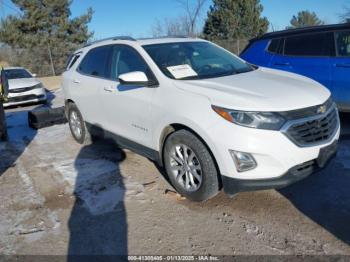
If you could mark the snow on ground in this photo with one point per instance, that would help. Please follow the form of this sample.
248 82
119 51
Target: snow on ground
92 177
51 186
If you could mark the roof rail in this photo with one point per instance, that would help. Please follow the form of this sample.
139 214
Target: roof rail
167 36
111 38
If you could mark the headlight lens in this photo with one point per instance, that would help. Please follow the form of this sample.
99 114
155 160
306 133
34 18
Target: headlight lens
40 85
259 120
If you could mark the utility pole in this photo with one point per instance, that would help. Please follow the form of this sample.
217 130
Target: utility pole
51 61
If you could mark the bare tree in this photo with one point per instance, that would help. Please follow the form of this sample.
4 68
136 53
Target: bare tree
170 27
193 9
185 24
345 17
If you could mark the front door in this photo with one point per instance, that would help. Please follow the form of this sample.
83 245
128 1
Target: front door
128 109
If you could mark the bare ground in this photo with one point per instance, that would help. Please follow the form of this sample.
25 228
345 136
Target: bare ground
58 197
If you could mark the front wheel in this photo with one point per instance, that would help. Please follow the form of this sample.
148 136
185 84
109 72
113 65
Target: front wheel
190 166
77 125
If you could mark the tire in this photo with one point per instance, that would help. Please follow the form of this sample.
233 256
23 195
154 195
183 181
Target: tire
197 180
75 120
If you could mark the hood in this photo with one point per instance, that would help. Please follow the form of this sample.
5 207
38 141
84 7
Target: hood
22 82
260 90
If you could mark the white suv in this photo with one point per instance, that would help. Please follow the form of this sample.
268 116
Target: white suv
208 117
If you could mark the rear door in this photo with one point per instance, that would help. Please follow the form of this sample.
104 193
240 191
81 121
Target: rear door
307 55
341 70
87 81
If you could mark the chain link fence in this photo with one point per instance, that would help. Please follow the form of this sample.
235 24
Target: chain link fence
37 60
236 46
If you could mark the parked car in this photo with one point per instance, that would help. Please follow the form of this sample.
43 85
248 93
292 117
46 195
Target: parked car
23 87
208 117
321 53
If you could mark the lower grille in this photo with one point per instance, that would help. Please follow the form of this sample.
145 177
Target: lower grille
314 130
23 98
305 168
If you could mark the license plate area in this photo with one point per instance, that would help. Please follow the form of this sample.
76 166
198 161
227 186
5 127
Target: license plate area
326 153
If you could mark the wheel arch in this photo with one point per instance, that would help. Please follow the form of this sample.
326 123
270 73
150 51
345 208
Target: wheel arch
171 128
66 103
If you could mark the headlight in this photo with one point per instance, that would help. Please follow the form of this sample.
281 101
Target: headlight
259 120
40 85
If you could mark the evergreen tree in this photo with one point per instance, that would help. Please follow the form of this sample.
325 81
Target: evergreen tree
305 18
235 19
44 33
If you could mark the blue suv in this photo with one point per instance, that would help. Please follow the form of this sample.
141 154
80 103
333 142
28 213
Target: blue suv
321 53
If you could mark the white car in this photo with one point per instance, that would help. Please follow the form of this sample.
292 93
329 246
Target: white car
24 88
208 117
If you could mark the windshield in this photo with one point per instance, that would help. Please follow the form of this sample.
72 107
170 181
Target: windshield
17 73
195 60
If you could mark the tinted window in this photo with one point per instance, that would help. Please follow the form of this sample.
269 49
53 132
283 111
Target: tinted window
95 63
17 73
274 45
125 60
321 44
202 60
343 43
71 61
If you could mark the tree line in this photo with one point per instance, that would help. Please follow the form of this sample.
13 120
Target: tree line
43 34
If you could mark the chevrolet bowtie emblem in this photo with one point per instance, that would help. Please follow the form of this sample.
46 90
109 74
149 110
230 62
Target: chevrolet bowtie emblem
321 110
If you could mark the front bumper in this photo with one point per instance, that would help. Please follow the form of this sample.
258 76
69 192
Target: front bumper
273 151
33 96
233 186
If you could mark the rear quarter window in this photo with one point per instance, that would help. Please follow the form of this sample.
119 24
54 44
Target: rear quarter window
343 43
72 60
275 46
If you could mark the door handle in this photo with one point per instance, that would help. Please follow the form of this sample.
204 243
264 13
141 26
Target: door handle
75 81
282 64
343 65
108 88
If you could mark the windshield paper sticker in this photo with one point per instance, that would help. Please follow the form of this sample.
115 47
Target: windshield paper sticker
181 71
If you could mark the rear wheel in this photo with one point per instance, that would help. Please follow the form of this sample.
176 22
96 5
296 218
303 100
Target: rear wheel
190 166
77 125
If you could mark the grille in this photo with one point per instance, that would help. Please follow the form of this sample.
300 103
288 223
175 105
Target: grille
21 90
314 130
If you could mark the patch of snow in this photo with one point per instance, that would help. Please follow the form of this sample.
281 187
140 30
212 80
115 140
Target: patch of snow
52 135
28 185
95 182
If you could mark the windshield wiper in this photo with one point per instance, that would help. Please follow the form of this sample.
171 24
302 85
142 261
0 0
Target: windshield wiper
189 78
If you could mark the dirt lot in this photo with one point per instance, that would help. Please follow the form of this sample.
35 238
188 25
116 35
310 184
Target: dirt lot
58 197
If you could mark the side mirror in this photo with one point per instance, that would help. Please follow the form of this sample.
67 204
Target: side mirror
34 75
135 78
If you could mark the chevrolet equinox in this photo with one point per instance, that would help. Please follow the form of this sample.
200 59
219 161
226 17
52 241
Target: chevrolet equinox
209 118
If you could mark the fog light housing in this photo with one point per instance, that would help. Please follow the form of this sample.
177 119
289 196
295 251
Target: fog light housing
243 161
